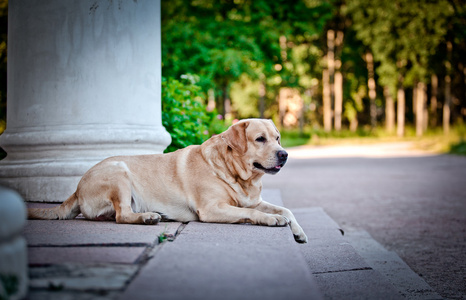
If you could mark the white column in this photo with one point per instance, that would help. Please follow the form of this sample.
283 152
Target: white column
84 83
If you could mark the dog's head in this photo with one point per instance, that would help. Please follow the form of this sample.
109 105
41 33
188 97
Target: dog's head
257 142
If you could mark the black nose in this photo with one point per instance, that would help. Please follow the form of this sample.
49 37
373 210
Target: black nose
282 155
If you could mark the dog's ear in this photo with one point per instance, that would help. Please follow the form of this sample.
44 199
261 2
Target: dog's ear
235 137
276 129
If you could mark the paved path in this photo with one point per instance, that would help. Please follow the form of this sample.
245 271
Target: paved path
413 203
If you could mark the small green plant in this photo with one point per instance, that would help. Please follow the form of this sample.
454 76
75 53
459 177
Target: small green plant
164 236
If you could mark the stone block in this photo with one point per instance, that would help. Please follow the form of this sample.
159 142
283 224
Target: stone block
329 256
85 255
82 277
84 232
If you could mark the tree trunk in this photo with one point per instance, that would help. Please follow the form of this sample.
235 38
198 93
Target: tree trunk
447 102
211 100
389 110
400 107
420 104
225 102
338 82
338 99
301 117
433 100
282 95
415 99
262 98
446 105
331 73
425 111
354 124
327 104
371 87
220 101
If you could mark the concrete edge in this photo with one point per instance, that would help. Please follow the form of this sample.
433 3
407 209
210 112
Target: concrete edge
409 284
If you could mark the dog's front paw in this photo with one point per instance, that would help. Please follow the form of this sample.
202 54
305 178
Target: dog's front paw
300 238
277 220
151 218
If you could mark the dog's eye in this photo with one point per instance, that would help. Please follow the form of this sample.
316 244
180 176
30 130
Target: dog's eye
261 139
278 140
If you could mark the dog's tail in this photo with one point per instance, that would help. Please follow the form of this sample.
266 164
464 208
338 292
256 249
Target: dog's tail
67 210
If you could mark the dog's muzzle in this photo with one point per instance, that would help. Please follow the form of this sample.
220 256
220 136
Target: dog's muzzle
282 157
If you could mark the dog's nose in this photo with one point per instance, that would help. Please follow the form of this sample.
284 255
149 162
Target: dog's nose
282 155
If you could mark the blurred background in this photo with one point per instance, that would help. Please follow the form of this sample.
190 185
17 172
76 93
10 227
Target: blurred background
324 71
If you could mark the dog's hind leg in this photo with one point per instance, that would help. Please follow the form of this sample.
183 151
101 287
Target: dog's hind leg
120 196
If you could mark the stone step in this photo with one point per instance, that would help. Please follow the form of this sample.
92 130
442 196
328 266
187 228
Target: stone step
226 261
340 272
391 266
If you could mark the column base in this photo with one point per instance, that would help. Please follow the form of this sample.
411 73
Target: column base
46 165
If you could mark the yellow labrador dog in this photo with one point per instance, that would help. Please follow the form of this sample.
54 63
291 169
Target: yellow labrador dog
218 181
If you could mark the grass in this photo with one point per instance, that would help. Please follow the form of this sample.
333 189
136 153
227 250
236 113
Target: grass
434 140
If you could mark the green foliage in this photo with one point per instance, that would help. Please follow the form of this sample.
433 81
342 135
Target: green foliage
458 148
401 32
317 136
183 114
222 41
293 138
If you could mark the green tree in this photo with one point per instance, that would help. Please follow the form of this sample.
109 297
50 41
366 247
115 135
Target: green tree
223 40
402 35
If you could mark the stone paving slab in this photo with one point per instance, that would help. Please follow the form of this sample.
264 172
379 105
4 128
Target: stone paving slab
85 232
324 257
244 234
61 255
71 295
82 277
